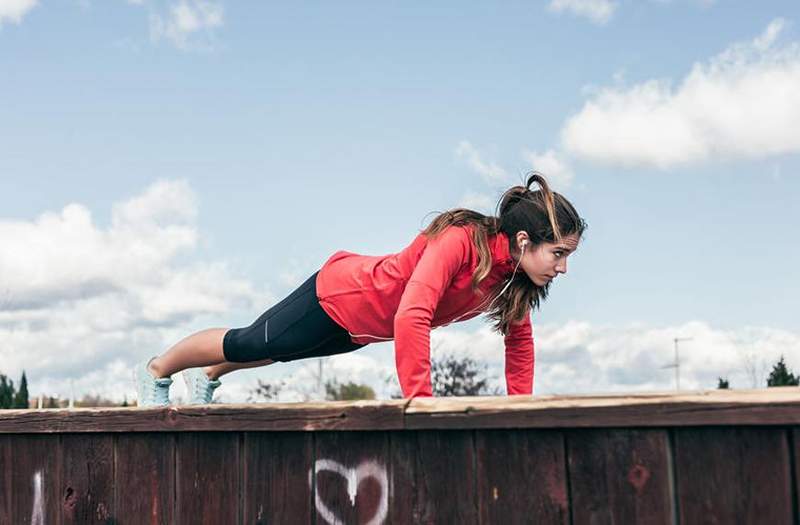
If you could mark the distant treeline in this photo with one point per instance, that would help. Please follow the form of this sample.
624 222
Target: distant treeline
11 397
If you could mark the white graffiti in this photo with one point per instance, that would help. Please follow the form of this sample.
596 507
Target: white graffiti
37 514
353 476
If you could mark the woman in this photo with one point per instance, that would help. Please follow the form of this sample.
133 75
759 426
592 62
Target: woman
462 264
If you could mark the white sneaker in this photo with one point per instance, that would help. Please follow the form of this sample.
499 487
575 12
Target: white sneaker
199 387
150 390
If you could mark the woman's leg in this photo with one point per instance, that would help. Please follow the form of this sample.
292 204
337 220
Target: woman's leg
216 371
203 348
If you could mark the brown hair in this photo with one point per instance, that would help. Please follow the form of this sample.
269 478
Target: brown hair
546 216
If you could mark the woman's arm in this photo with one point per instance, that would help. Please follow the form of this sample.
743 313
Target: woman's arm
519 358
439 263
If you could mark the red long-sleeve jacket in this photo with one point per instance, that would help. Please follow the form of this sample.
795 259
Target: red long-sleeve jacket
402 296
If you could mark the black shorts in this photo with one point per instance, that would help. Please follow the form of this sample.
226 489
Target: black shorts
295 328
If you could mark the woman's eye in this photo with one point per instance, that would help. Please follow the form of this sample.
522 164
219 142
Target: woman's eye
558 253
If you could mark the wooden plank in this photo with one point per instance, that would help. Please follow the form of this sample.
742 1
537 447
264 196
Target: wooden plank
795 449
276 486
5 480
144 481
350 477
521 476
330 415
433 477
772 406
35 478
733 475
87 485
619 476
207 477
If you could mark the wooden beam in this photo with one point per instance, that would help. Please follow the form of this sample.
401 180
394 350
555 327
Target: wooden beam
769 406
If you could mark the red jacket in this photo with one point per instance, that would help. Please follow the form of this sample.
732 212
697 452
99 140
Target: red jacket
401 296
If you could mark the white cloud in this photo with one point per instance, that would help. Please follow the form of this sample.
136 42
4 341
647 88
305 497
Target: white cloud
14 10
598 11
84 303
555 169
490 171
189 24
742 103
480 202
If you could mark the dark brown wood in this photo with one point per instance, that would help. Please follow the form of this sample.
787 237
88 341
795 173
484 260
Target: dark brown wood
207 474
87 487
276 488
733 475
5 480
521 477
794 435
332 415
433 477
144 482
350 477
35 478
619 476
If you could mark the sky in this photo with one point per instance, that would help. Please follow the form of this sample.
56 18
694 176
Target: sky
168 166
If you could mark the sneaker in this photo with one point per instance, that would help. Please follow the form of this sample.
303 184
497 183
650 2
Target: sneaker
199 387
150 391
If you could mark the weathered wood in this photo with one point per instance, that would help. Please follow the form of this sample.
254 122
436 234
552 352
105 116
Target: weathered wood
144 481
207 476
87 486
35 478
794 435
433 478
350 477
275 476
521 477
733 475
619 476
772 406
5 480
331 415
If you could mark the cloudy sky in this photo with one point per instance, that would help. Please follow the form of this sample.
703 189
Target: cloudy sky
167 166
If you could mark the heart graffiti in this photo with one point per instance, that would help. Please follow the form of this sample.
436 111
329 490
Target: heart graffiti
353 476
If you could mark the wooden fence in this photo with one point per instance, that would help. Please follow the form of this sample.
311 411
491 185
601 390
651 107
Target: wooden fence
723 457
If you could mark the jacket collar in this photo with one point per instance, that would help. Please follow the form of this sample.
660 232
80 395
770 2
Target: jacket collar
501 254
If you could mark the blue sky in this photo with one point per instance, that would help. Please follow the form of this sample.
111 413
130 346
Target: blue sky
167 166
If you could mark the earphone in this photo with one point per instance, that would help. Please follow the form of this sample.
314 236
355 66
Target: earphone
522 246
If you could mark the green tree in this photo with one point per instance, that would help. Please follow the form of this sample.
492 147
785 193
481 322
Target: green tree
781 375
265 391
722 384
453 376
21 397
6 392
334 391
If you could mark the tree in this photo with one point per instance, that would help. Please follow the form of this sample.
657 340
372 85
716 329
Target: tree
6 392
264 391
452 376
347 391
781 375
722 384
21 397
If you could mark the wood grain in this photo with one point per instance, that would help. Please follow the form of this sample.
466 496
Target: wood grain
35 468
207 475
619 476
87 486
521 477
733 475
145 478
433 478
5 480
275 476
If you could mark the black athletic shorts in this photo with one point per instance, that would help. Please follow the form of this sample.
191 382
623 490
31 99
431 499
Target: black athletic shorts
295 328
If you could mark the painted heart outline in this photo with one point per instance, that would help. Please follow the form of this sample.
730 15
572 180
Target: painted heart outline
353 476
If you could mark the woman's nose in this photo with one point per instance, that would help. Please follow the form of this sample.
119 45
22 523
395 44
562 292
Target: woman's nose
562 266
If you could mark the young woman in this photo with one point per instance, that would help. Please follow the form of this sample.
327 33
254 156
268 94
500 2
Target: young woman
464 263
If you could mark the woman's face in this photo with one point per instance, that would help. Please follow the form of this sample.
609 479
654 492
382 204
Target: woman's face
543 262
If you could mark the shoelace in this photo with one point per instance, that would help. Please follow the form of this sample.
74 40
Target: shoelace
159 391
203 388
